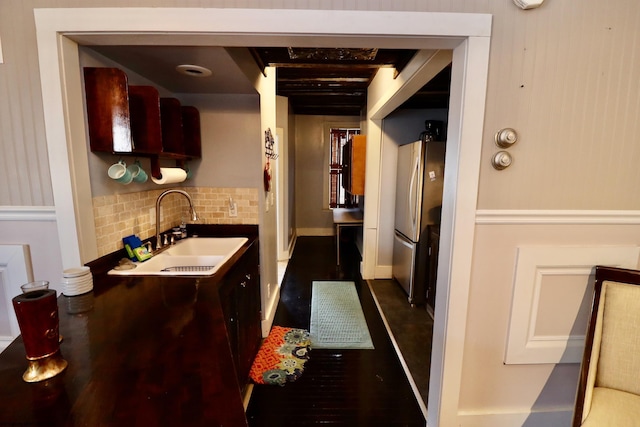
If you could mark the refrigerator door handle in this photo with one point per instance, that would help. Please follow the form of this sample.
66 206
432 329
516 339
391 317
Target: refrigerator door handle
412 209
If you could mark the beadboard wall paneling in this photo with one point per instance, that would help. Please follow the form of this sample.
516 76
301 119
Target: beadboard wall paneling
24 167
563 75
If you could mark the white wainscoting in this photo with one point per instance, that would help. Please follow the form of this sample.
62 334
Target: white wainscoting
16 267
556 279
15 270
27 213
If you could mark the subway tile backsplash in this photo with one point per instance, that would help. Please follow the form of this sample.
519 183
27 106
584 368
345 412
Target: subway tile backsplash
120 215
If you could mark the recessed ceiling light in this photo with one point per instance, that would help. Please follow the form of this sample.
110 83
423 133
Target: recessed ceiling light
193 70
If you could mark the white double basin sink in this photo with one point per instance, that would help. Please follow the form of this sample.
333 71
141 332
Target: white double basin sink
195 256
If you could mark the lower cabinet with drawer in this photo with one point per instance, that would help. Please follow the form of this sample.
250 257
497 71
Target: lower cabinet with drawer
240 299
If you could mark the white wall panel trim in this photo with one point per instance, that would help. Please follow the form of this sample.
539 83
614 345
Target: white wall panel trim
604 217
27 213
555 267
15 270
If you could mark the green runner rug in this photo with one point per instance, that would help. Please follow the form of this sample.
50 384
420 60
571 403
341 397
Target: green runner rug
337 320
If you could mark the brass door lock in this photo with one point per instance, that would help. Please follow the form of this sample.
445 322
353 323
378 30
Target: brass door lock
501 160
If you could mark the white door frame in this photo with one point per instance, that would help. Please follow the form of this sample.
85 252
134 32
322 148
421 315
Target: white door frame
60 30
281 195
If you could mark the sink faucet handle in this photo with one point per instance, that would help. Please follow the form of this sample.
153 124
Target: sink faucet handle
165 240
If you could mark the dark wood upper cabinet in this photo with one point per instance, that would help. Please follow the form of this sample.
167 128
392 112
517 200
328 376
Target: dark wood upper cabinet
108 110
144 107
135 120
171 120
191 131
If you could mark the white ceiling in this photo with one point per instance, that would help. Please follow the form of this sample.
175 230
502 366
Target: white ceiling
158 64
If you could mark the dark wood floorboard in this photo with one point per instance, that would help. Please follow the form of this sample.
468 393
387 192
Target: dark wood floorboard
338 387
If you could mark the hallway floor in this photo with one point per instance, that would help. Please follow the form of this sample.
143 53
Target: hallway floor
411 330
338 387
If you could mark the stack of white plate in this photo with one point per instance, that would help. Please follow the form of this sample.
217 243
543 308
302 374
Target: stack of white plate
77 281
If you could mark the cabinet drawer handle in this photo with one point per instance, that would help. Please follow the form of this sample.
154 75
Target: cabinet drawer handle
243 284
248 276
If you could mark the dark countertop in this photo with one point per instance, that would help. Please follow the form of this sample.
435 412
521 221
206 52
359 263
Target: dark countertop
142 351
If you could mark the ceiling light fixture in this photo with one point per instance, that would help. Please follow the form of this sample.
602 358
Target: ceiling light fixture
193 70
528 4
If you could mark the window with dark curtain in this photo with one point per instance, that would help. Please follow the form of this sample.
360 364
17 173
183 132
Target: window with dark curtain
338 198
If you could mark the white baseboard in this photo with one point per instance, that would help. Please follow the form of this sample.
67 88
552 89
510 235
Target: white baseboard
315 231
4 342
292 244
551 417
270 312
383 272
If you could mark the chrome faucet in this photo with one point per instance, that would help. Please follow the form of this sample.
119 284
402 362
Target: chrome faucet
194 215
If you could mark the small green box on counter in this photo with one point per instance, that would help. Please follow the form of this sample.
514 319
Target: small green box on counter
134 248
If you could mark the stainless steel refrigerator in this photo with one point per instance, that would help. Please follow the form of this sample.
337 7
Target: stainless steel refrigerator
418 208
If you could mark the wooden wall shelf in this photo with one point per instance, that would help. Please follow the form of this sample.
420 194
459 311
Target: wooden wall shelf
135 120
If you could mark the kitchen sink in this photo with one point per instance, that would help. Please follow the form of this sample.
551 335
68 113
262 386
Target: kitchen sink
196 256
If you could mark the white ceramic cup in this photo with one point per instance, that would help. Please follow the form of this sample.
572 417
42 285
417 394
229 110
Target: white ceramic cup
119 172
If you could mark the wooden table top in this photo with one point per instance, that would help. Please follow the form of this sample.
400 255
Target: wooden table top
142 351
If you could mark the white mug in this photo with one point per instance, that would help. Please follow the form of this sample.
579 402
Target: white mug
119 172
138 174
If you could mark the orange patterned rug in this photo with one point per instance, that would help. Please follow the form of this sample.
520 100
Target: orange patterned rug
281 357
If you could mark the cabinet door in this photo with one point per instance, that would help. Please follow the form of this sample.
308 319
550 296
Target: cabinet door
144 106
191 132
228 300
249 330
240 298
171 124
108 110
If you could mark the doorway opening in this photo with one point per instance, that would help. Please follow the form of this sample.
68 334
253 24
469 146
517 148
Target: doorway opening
59 31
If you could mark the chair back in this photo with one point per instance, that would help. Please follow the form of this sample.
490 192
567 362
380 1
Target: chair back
611 357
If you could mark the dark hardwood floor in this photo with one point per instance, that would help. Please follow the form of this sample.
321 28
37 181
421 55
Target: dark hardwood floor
338 387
